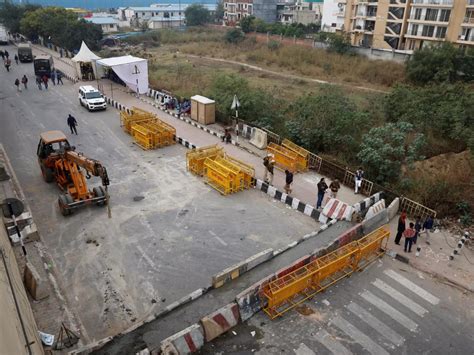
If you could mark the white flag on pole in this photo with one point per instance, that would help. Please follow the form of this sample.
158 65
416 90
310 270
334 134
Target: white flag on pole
235 103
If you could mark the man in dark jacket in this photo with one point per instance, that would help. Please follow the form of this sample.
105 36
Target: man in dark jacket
289 181
401 227
72 123
322 187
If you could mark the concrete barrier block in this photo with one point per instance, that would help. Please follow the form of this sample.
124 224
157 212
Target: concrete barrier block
393 208
375 208
187 341
36 286
375 222
251 300
220 321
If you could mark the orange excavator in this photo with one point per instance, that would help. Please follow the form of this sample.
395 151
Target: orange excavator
60 162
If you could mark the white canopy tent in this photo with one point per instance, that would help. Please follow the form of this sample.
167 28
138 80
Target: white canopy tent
85 56
131 70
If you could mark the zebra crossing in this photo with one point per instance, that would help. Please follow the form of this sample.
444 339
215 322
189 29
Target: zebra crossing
391 307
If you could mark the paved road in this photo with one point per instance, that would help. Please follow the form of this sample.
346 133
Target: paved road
388 309
157 249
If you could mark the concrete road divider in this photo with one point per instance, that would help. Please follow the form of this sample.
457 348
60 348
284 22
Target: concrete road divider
220 321
236 270
249 300
376 208
393 208
369 201
375 222
186 341
336 209
36 286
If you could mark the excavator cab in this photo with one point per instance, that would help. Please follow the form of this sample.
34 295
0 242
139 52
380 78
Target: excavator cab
60 162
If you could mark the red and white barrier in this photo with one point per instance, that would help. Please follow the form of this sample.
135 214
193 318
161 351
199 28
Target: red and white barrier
220 321
376 208
336 209
187 341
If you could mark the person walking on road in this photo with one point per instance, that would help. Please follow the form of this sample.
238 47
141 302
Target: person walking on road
2 54
53 77
7 55
72 123
266 160
289 181
401 227
38 82
24 81
45 81
16 59
59 77
409 235
427 227
322 187
270 167
7 63
17 84
359 175
417 229
334 187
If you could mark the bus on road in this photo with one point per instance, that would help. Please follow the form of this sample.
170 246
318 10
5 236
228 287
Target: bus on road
43 65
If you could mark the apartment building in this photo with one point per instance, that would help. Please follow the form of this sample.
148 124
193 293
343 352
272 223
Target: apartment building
234 10
408 24
301 11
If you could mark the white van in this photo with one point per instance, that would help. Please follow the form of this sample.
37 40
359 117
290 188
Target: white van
91 98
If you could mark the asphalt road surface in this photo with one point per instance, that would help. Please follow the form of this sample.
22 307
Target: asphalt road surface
390 308
169 232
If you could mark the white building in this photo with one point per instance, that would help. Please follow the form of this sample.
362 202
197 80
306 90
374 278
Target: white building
334 12
300 11
161 22
108 24
136 15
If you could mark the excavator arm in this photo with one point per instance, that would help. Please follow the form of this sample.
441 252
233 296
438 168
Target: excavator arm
91 166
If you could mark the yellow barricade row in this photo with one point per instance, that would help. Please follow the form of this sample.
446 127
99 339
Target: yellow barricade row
292 289
219 177
302 159
195 158
284 157
147 130
248 171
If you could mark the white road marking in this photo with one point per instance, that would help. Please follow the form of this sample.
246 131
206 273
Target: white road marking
375 323
219 239
304 350
412 287
146 257
331 344
389 310
400 297
358 336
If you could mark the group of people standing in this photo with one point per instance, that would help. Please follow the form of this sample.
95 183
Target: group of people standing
413 231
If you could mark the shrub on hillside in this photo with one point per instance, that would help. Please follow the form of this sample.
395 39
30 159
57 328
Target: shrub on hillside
234 36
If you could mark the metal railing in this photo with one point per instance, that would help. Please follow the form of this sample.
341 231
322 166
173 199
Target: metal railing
433 2
415 209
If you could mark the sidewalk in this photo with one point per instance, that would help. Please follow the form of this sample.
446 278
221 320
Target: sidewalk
304 184
434 258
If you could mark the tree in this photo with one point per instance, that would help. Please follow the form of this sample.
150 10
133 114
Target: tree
385 149
442 63
61 27
219 14
144 25
11 15
247 24
196 15
234 36
443 112
339 44
326 122
257 106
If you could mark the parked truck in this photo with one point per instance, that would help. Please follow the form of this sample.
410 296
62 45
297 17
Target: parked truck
25 53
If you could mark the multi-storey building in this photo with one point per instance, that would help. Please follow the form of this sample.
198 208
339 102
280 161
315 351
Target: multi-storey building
234 10
408 24
301 11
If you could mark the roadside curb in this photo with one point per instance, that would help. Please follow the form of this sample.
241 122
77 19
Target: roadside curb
433 274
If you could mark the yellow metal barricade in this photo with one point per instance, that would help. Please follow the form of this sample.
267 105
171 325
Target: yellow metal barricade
302 159
288 291
284 157
248 171
195 158
142 136
236 173
218 176
136 115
